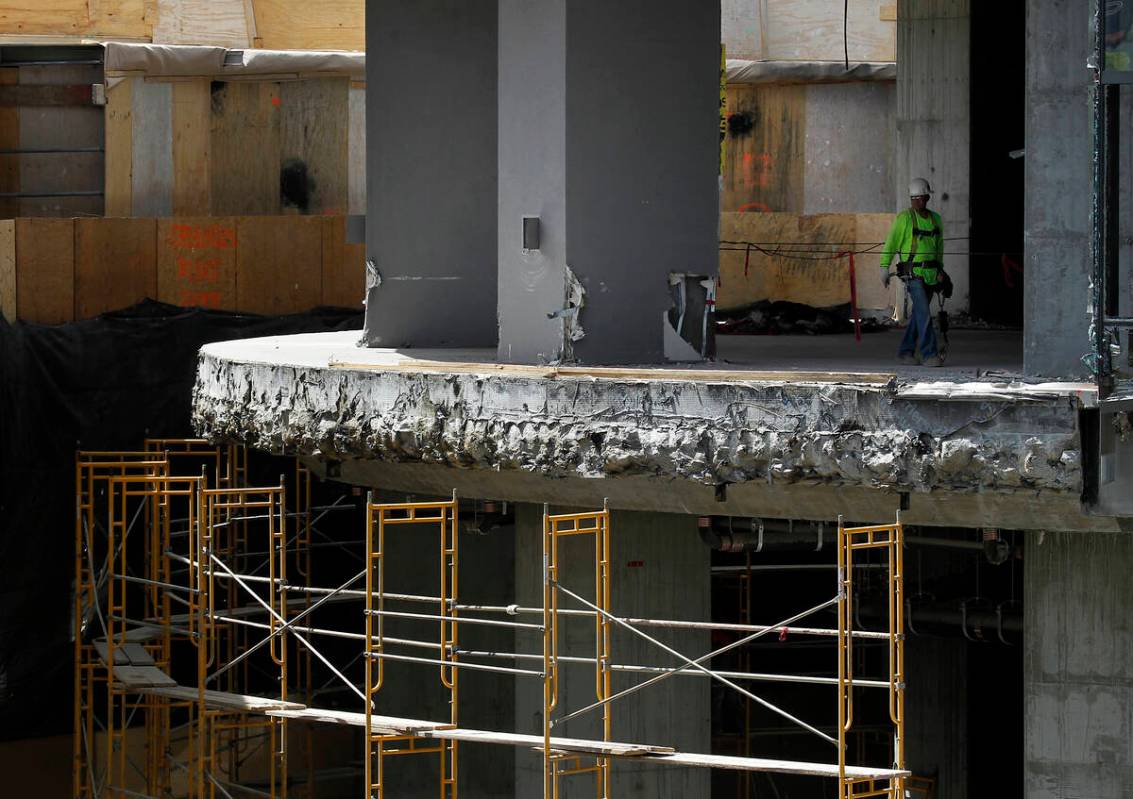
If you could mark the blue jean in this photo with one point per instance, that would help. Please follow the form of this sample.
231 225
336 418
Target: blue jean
920 330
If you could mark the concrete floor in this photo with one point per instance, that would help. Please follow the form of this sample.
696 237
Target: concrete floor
972 354
995 355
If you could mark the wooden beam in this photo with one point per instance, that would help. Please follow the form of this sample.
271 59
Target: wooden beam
888 13
14 96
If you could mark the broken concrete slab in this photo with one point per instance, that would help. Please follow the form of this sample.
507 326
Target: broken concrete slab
1000 453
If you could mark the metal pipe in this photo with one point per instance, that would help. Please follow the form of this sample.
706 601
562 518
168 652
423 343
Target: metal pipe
632 669
463 619
454 664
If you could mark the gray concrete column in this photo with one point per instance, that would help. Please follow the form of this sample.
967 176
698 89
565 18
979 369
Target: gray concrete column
1078 672
660 569
1056 239
431 173
609 134
934 120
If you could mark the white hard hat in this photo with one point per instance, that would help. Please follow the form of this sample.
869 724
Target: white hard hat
918 187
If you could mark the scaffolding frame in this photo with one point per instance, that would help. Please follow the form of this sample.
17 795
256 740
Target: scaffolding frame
556 527
192 536
443 515
151 540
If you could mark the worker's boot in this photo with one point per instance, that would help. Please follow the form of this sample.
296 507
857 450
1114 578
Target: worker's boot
935 360
908 359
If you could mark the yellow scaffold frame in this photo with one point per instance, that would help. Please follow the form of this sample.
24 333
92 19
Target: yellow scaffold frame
889 539
555 527
445 515
198 530
147 507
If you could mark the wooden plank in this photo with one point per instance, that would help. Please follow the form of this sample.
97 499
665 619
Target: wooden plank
808 30
123 19
119 148
344 266
222 700
60 127
192 104
764 164
326 25
8 269
700 376
813 275
152 149
888 13
9 140
314 133
115 264
245 145
278 264
196 262
45 270
75 94
219 23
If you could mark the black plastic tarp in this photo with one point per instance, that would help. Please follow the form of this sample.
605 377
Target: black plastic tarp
101 384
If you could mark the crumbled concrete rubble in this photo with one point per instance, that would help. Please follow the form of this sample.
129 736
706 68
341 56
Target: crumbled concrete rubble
712 433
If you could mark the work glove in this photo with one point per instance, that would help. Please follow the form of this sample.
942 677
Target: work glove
885 278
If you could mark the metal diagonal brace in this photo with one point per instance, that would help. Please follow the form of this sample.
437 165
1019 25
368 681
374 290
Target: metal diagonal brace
281 620
285 625
709 656
692 664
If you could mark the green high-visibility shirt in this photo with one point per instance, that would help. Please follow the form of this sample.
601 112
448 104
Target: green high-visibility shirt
930 245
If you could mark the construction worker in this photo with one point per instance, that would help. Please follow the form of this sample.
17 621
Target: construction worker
916 241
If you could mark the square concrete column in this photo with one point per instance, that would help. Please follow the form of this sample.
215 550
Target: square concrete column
609 135
431 173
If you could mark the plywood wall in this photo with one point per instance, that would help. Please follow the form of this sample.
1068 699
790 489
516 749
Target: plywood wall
60 270
797 259
51 141
274 24
196 147
810 148
809 30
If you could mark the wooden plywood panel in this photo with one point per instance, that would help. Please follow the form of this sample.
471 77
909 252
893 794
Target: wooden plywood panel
8 269
221 23
9 140
797 259
326 25
356 152
119 148
124 19
115 264
153 149
764 163
811 30
60 127
278 264
196 262
314 129
244 141
344 266
191 109
45 270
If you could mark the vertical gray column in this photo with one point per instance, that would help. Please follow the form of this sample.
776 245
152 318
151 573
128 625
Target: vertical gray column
934 120
431 173
1078 668
1056 240
613 110
532 164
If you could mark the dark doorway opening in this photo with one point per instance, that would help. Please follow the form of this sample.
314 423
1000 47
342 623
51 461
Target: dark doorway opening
998 107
